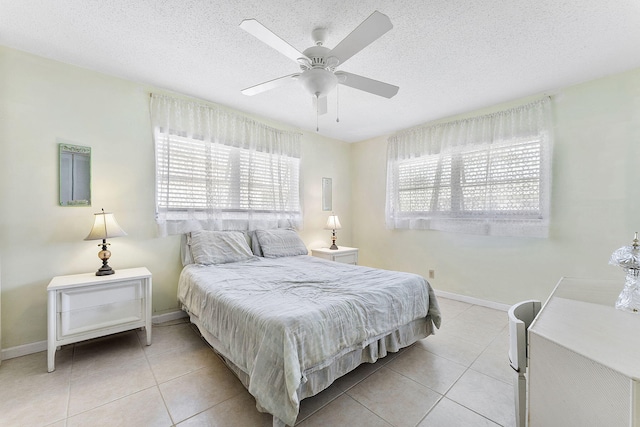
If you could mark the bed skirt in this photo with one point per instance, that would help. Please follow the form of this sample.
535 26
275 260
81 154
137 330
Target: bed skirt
314 380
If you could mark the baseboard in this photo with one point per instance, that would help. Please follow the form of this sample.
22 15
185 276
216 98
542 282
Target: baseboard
472 300
36 347
23 350
166 317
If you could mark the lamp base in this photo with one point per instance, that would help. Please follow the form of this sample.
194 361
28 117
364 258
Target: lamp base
629 298
104 255
105 271
333 241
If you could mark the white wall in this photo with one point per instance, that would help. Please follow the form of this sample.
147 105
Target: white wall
43 100
595 205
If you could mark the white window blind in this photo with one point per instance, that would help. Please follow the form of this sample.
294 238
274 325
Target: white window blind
193 175
216 170
487 175
188 171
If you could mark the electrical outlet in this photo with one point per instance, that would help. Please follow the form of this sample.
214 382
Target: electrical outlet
432 274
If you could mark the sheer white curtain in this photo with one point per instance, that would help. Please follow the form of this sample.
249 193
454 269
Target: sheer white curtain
218 170
485 175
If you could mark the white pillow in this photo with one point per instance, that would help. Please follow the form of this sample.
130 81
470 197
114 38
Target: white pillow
219 247
280 242
255 244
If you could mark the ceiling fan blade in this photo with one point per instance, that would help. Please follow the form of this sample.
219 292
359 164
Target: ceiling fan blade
366 84
271 84
366 33
320 104
268 37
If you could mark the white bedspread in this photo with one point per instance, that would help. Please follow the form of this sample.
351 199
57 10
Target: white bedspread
279 319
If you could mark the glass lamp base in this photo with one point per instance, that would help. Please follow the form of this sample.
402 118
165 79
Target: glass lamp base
629 298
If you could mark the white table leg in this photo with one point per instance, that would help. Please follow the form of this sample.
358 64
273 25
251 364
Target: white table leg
148 311
51 332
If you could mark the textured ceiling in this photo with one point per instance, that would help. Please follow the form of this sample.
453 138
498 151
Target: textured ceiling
447 56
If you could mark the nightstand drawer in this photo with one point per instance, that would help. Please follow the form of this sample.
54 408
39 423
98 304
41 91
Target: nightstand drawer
343 254
351 258
76 299
92 308
99 317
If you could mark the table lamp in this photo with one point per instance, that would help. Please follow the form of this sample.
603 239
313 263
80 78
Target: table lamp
628 257
333 223
105 227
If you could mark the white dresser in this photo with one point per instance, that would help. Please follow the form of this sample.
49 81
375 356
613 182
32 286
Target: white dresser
343 254
584 358
85 306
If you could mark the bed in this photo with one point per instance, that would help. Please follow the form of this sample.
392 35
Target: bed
289 324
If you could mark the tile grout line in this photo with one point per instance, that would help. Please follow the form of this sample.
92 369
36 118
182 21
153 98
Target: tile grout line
114 400
73 356
430 409
468 369
369 410
195 332
441 396
342 392
155 378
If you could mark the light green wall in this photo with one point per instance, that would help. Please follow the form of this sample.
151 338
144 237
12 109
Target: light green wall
43 100
595 205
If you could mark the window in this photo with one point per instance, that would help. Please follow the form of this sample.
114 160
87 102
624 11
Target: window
237 174
194 175
488 175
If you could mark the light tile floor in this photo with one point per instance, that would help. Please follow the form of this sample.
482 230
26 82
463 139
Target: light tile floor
458 377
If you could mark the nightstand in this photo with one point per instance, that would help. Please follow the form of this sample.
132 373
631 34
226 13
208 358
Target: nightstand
85 306
343 254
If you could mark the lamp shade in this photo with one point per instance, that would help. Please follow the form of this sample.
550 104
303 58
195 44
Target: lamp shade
333 223
627 256
105 226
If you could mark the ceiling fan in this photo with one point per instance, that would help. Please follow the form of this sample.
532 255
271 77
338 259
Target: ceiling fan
318 64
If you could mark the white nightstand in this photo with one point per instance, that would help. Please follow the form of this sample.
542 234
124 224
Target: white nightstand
85 306
342 254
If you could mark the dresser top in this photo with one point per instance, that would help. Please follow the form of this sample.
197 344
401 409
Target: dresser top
72 280
580 315
340 250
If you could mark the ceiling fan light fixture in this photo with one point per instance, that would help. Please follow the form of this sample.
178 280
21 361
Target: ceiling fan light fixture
318 64
318 82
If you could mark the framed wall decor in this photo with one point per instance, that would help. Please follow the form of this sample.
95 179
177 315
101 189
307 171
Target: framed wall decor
75 175
327 196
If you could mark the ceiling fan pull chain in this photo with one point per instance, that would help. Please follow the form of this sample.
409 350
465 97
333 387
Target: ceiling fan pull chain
337 104
317 102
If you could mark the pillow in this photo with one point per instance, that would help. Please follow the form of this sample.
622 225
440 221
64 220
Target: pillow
185 249
255 244
219 247
280 242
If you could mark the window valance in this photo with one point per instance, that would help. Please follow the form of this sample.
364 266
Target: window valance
216 169
484 175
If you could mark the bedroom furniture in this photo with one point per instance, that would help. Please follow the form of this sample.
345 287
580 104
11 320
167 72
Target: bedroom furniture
85 306
104 227
333 223
289 324
343 254
520 317
583 358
